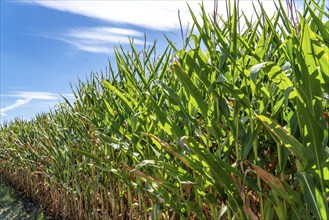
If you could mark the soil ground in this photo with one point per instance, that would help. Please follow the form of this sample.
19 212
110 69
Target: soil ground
14 207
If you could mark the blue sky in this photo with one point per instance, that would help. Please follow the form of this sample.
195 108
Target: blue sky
46 45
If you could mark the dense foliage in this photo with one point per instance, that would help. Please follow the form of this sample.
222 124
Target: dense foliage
232 125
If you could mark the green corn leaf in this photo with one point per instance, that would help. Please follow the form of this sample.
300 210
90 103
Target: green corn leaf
182 175
150 178
313 196
321 54
186 160
84 153
239 95
320 25
275 73
255 70
117 91
283 189
190 87
310 75
315 134
217 167
287 139
155 212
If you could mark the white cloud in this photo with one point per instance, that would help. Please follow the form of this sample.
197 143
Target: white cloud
156 15
100 39
91 48
35 95
153 15
24 97
18 103
97 39
101 33
104 35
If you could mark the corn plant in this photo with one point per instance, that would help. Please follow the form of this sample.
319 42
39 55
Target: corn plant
231 125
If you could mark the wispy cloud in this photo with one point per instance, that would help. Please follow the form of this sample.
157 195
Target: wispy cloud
156 15
34 95
18 103
25 97
100 39
97 39
153 15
